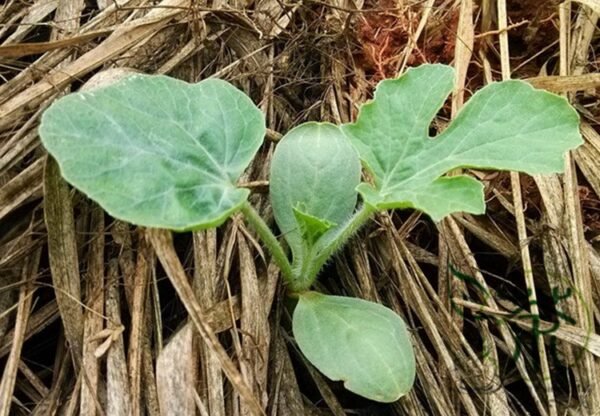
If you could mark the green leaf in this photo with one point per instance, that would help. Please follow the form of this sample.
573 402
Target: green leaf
363 344
438 198
314 175
311 228
505 126
156 151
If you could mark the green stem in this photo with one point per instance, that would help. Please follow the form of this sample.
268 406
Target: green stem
269 240
335 243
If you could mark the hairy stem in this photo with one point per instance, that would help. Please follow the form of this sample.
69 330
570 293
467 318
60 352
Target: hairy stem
317 260
269 240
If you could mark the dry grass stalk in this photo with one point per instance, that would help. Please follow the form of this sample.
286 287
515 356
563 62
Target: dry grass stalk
62 250
104 312
588 371
9 376
118 397
163 246
206 282
176 376
93 317
517 198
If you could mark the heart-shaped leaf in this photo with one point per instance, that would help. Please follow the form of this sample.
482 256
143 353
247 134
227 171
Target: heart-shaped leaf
314 175
156 151
363 344
507 125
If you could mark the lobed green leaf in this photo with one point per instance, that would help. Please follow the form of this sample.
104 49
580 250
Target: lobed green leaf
505 126
156 151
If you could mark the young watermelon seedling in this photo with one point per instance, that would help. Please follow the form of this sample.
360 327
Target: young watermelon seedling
159 152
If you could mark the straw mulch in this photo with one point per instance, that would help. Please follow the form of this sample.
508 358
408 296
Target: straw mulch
502 307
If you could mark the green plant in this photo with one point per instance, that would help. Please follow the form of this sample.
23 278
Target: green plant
159 152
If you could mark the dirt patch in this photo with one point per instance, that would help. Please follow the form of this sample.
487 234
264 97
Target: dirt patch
385 36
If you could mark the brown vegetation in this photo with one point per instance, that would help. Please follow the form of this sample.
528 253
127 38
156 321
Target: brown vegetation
90 322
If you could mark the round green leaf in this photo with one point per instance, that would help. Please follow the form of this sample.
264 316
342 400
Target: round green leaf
314 175
156 151
363 344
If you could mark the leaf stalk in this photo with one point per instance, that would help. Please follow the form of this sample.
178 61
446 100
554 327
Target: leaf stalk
269 240
337 241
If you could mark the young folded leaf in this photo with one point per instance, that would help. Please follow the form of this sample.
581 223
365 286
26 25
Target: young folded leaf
506 126
311 227
314 175
156 151
363 344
